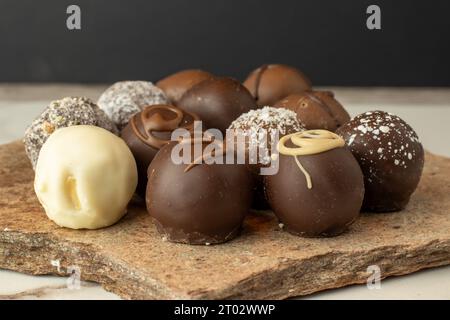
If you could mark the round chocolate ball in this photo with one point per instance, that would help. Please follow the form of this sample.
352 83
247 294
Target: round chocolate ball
197 204
151 129
85 177
272 82
125 98
257 127
390 155
217 101
316 109
66 112
319 187
175 85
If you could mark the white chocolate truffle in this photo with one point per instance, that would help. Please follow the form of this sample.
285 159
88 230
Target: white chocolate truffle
85 177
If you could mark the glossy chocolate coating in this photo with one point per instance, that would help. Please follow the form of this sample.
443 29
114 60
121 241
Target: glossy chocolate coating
151 129
175 85
333 202
264 120
218 102
316 109
270 83
201 204
390 155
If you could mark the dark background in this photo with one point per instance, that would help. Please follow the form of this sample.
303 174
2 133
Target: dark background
149 39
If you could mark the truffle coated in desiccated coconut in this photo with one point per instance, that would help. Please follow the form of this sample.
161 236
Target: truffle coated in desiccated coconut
268 118
66 112
266 121
125 98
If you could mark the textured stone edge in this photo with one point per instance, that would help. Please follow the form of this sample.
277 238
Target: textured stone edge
32 254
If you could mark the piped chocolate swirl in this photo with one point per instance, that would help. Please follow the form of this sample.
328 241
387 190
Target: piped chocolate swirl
151 129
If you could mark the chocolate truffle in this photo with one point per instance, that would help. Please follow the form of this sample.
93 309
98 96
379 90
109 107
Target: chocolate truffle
316 109
178 83
217 101
390 155
125 98
197 204
151 129
257 127
66 112
85 177
319 188
272 82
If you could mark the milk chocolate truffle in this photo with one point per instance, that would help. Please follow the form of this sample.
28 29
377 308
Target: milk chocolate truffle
85 177
257 128
178 83
217 102
390 155
272 82
316 109
151 129
319 188
125 98
197 203
66 112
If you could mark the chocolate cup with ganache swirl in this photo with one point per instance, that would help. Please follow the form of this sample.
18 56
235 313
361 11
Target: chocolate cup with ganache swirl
151 129
319 188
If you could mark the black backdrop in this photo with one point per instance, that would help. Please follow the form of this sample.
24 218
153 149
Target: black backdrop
328 40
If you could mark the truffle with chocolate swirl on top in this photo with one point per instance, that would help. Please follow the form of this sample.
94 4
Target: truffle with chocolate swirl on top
319 188
151 129
197 202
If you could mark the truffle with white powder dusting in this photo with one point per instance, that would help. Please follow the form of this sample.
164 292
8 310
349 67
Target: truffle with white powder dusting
260 125
390 155
261 129
125 98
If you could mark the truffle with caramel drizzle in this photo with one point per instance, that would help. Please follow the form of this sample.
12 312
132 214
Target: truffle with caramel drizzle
307 143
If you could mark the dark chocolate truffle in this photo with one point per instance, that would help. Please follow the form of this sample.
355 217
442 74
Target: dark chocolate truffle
66 112
175 85
316 109
390 155
197 204
263 121
319 188
272 82
218 102
151 129
125 98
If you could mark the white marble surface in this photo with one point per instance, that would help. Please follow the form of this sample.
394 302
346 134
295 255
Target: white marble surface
426 110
